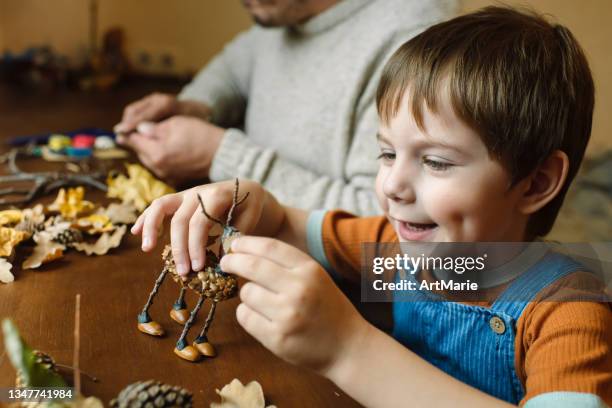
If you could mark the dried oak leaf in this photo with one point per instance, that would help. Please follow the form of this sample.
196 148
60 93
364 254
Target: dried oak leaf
237 395
70 204
139 188
10 217
9 238
46 250
95 224
106 242
5 271
124 213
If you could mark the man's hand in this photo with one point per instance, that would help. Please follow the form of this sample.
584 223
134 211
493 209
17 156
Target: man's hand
292 306
178 149
156 107
151 108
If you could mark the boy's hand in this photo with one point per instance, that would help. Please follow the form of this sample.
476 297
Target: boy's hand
190 227
292 306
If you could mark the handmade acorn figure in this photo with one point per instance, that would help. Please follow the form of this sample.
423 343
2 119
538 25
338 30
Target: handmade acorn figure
210 283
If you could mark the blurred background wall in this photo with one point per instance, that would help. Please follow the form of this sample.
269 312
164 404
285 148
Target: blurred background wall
178 37
165 42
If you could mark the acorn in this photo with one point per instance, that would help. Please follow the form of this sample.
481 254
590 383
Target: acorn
153 394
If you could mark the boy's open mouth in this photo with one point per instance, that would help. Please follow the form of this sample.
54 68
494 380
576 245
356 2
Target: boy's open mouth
414 231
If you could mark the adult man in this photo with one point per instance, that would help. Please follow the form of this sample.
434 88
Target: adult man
290 105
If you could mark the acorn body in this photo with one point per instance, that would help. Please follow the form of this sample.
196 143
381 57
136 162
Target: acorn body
211 281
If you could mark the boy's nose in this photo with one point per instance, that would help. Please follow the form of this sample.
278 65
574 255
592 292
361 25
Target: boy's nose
398 187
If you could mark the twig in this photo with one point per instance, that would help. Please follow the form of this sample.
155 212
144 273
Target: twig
77 343
210 217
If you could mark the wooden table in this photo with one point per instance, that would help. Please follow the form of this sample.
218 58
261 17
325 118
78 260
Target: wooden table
114 288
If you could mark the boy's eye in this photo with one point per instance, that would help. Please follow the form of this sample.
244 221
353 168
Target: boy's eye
436 165
386 156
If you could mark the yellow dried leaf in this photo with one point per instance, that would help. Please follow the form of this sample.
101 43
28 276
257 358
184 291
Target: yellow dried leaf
139 188
95 224
10 217
5 271
237 395
9 238
103 244
70 204
123 213
46 250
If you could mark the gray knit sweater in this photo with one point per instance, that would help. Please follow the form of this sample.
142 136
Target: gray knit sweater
299 102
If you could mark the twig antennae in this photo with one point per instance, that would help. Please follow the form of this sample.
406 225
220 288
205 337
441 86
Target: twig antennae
235 203
210 217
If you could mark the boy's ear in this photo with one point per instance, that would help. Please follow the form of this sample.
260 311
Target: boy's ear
543 185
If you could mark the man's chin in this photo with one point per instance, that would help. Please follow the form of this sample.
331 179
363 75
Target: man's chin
266 22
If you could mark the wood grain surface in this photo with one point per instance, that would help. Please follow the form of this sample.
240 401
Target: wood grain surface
114 288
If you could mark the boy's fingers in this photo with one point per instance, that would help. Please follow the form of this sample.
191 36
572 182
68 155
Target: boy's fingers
179 235
137 227
154 216
199 226
260 300
254 323
271 249
257 269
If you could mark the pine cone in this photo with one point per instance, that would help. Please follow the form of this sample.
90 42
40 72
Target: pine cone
68 237
153 394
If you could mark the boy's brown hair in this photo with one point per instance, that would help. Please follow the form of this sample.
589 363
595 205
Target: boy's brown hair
522 83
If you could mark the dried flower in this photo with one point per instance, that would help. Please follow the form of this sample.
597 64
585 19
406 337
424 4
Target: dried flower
9 238
70 204
139 188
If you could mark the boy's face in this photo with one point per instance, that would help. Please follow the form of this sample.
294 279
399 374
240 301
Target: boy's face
441 185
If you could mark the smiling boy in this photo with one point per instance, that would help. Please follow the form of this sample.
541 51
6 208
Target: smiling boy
485 119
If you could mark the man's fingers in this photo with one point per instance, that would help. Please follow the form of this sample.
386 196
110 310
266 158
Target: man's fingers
132 115
257 269
154 216
276 251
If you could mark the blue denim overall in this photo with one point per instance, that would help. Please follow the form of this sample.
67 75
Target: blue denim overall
475 344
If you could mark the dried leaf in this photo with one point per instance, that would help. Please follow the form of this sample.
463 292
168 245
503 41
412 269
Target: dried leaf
139 188
237 395
95 224
70 204
103 244
36 214
9 238
123 213
5 271
10 217
46 250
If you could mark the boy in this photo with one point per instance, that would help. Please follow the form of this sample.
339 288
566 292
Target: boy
484 123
